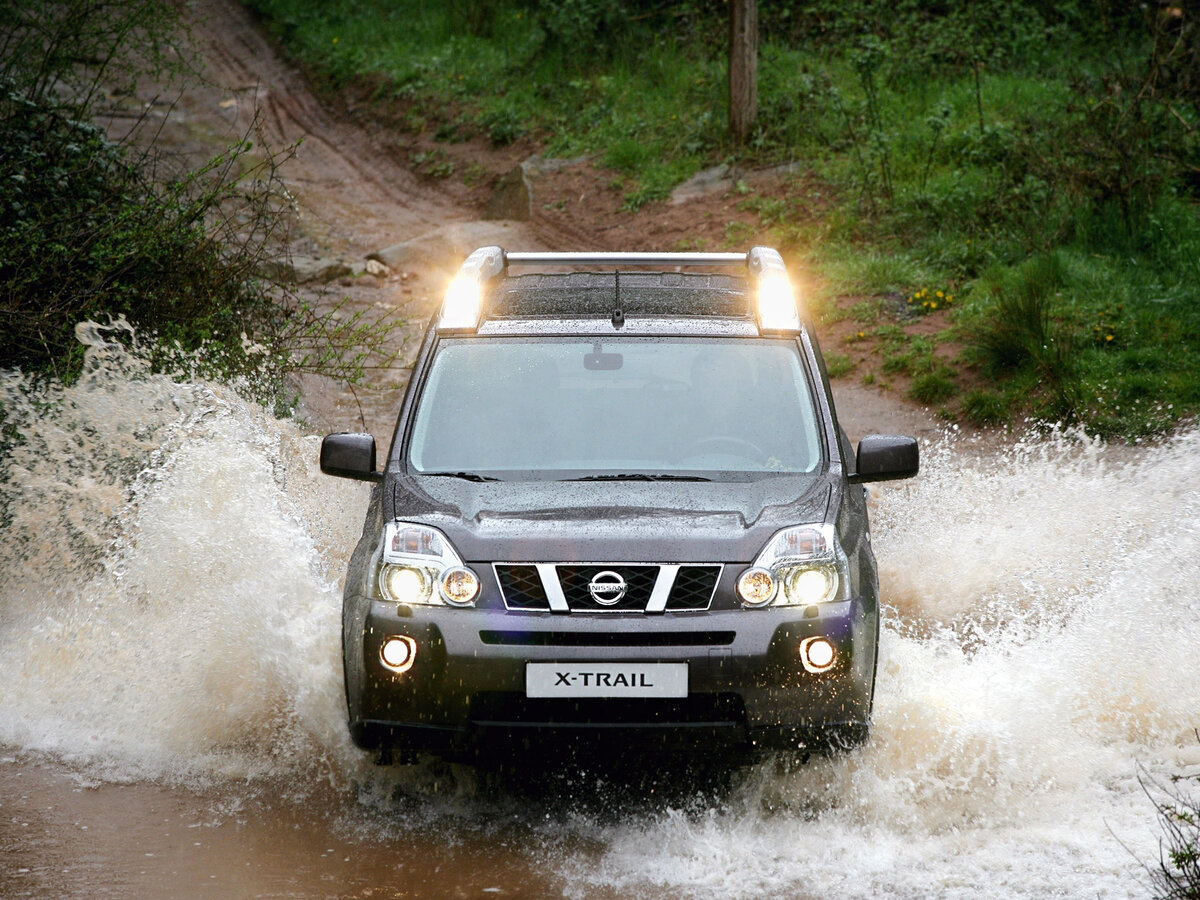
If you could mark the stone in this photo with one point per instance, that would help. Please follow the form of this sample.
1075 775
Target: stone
303 269
445 248
716 180
540 165
513 198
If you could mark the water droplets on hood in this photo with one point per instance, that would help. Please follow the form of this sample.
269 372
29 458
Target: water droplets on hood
170 610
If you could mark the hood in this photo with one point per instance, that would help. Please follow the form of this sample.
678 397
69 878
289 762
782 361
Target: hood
551 521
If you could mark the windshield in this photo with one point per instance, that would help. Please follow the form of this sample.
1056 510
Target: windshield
532 407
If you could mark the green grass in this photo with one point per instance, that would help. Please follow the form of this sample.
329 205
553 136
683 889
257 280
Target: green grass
986 408
838 364
1108 339
1008 153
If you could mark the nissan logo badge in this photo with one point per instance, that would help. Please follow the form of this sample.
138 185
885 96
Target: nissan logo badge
607 587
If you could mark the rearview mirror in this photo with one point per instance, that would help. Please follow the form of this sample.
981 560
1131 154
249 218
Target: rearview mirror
349 455
599 361
886 457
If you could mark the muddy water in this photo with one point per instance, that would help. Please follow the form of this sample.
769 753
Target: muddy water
171 708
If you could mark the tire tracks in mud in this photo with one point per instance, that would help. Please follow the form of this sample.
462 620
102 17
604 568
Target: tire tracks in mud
345 177
341 175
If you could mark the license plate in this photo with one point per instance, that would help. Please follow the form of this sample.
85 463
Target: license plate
577 679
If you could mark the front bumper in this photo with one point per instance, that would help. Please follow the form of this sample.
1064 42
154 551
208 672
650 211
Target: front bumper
747 686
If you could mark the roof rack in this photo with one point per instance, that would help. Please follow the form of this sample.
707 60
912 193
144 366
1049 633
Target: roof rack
626 259
777 310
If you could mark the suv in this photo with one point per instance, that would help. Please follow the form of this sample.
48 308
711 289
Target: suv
617 504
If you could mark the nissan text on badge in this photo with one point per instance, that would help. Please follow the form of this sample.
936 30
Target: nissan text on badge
617 506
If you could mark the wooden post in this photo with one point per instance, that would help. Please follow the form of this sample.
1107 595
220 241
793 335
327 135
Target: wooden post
743 68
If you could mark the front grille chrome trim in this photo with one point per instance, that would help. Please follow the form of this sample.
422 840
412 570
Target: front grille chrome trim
548 572
662 588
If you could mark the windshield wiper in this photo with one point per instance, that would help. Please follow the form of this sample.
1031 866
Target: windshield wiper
639 476
465 476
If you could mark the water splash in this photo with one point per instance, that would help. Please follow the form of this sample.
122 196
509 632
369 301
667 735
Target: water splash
169 605
169 610
1042 643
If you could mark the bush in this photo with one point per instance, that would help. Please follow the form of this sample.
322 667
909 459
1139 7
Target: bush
88 234
90 230
1177 874
1017 330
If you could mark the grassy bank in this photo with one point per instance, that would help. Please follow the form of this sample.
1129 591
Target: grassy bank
1037 162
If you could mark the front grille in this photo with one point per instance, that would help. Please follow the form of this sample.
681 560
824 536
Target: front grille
517 710
639 583
608 639
523 589
694 587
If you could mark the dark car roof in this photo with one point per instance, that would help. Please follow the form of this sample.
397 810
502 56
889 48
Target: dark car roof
597 294
652 303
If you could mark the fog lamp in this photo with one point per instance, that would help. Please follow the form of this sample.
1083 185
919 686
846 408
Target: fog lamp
756 587
398 653
460 586
817 654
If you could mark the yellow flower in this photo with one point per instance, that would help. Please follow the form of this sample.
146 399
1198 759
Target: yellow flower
1108 337
335 40
949 298
933 305
940 295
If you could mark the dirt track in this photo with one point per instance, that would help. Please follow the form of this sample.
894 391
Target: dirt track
354 195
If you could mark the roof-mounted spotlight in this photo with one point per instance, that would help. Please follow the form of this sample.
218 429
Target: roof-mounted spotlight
463 301
776 301
774 298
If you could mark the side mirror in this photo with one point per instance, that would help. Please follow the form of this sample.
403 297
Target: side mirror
886 457
349 455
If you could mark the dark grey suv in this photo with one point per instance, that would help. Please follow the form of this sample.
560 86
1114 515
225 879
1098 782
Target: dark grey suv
617 504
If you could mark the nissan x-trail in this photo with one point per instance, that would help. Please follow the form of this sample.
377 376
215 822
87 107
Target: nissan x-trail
617 505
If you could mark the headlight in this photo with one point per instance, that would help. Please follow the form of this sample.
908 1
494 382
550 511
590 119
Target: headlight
417 565
756 587
459 586
803 585
806 565
405 584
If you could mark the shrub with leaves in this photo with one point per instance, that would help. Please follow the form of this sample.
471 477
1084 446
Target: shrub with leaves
1177 873
92 230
